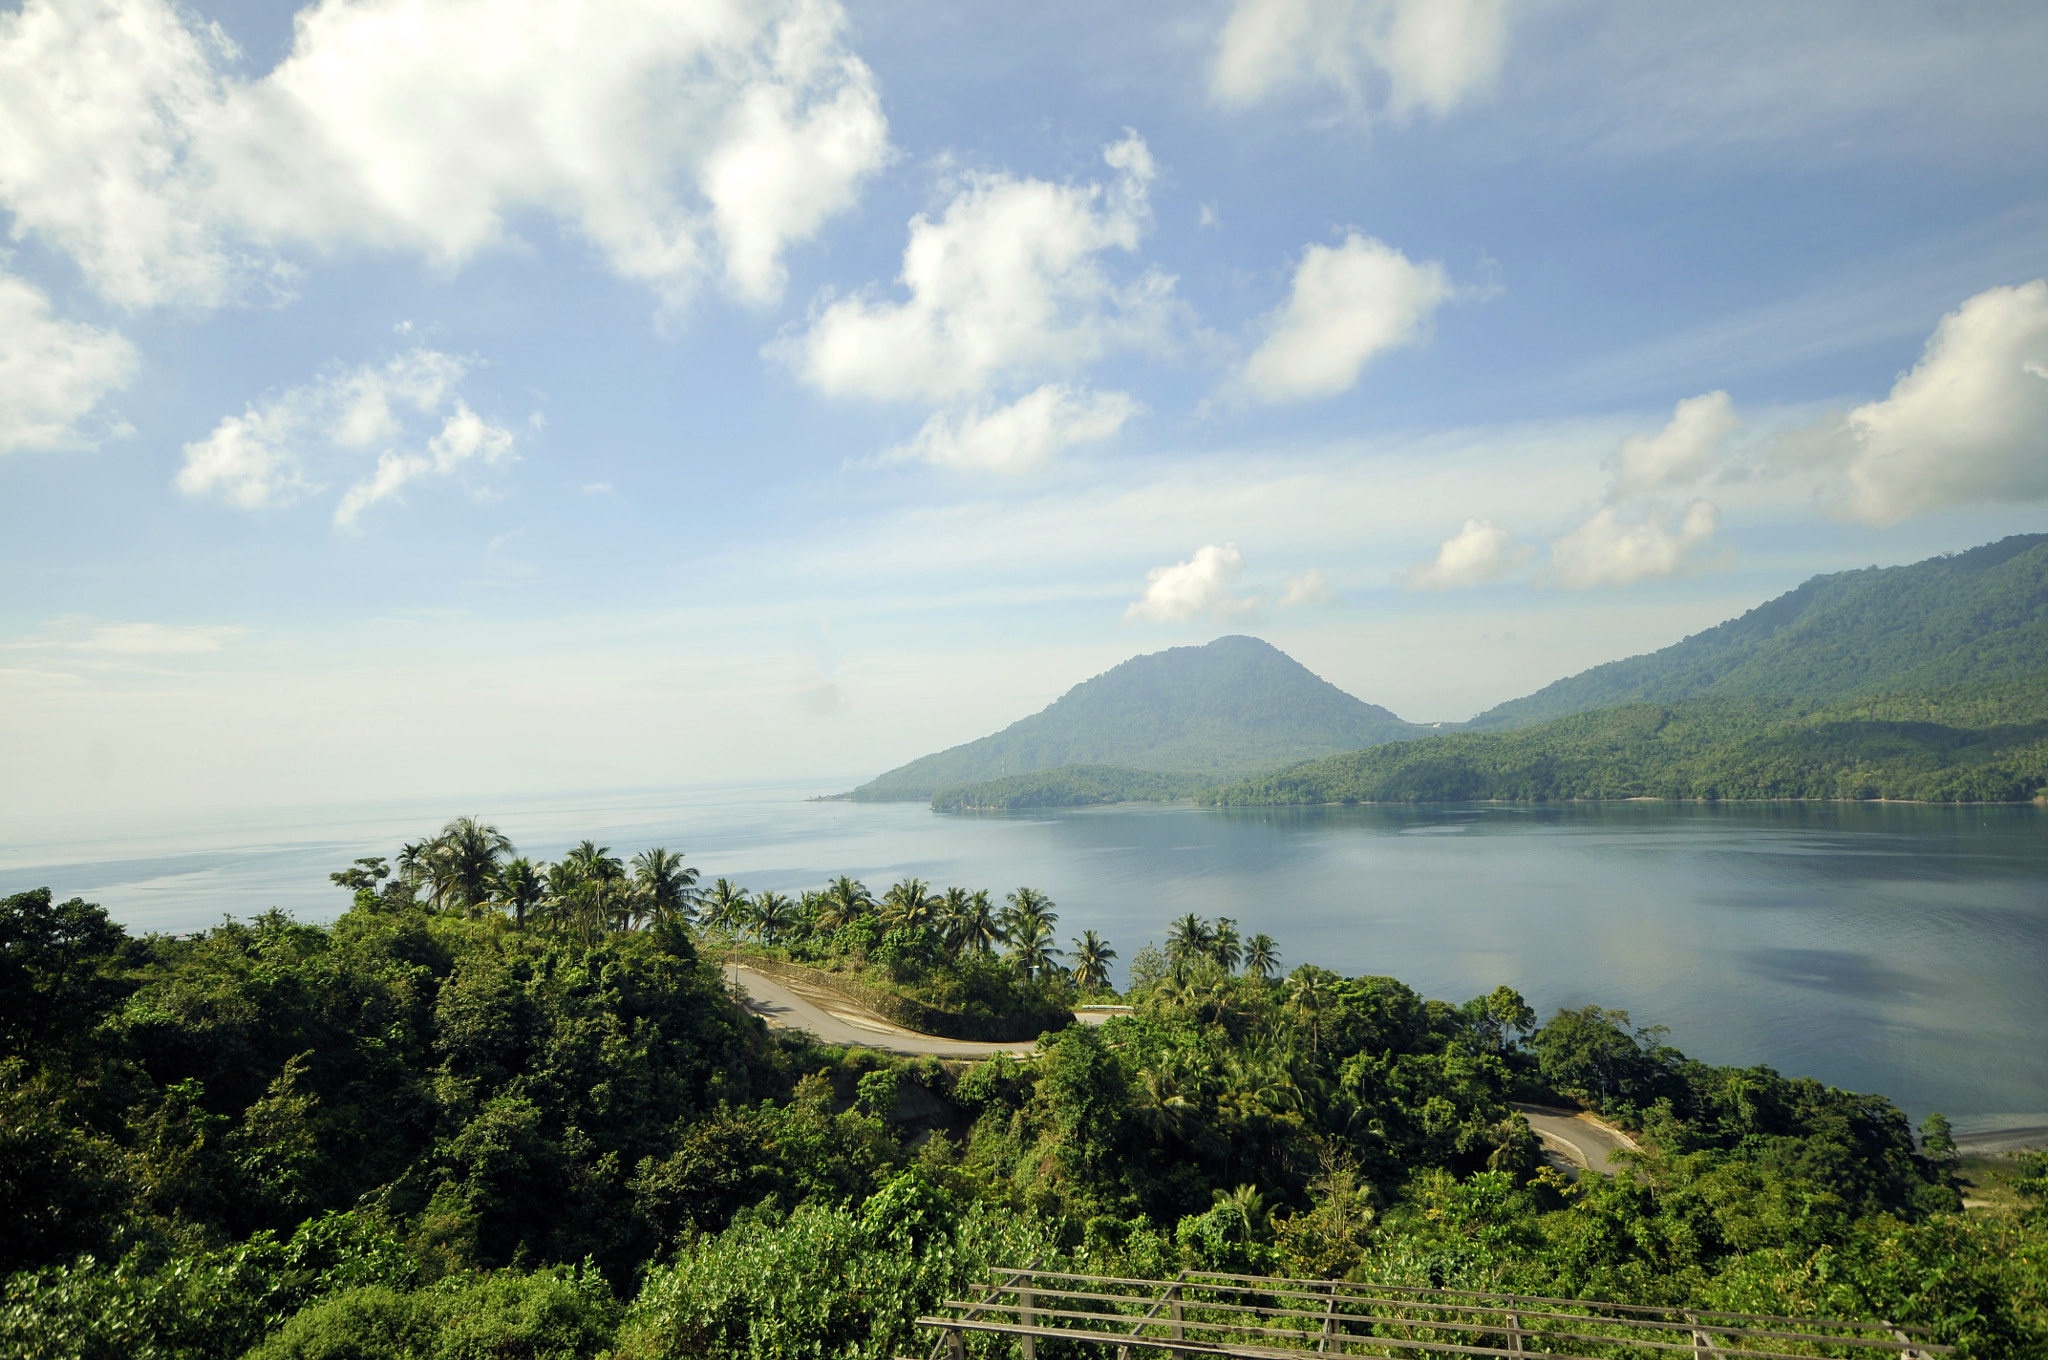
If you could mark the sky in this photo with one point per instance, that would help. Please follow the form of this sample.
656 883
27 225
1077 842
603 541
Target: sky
423 397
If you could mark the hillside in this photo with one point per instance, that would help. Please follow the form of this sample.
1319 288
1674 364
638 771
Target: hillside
1973 744
1971 618
1231 709
1069 786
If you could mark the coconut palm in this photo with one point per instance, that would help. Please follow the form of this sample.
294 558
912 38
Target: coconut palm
1027 928
774 915
727 906
591 890
908 903
520 888
1188 939
1261 956
1092 956
1245 1208
465 861
972 927
1224 946
843 901
1308 996
664 886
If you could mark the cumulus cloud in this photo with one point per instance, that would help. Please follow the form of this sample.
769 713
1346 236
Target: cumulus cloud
53 373
1348 305
1682 451
1480 552
679 140
262 458
1008 287
1968 424
1026 434
1608 550
1009 280
1306 588
1199 588
1396 56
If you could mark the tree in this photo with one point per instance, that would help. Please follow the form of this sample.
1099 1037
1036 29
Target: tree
1187 939
972 927
908 903
1938 1140
1509 1014
1092 957
463 863
1027 928
362 876
665 886
1224 946
774 916
727 906
1261 956
520 889
1308 996
843 901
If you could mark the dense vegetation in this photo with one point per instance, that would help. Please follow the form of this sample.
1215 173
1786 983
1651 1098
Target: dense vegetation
1965 619
1233 708
1069 786
469 1119
1969 745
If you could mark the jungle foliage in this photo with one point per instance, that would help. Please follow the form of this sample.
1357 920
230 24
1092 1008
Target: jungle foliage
1973 744
470 1129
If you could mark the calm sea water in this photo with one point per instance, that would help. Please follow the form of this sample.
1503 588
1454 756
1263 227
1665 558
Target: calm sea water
1902 950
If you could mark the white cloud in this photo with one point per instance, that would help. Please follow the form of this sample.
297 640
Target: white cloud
76 634
1026 434
1606 551
1682 451
52 372
260 458
1403 56
1198 588
1968 424
679 140
1306 588
1008 281
1480 552
1349 304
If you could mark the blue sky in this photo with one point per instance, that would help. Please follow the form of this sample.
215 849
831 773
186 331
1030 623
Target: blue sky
491 396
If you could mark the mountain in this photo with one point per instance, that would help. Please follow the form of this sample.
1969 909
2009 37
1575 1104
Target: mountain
1233 708
1970 618
1971 744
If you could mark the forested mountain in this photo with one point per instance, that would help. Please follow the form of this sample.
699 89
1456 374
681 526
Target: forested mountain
1233 708
1970 618
1968 744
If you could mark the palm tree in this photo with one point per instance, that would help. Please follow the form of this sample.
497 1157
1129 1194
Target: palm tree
843 901
1092 956
908 903
1261 956
465 857
1188 939
774 914
1027 927
727 906
592 879
665 886
1223 944
972 928
1308 996
1246 1209
521 888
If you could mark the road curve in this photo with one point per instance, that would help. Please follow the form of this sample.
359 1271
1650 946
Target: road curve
1583 1142
836 1020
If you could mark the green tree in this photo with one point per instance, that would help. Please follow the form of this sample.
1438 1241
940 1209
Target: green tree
727 906
1092 957
464 864
1261 956
520 889
973 927
774 916
664 886
908 904
1224 944
843 901
1188 939
1027 924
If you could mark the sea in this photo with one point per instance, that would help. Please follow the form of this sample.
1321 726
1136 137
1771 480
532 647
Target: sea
1897 949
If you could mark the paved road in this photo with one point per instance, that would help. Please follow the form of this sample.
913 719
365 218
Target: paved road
834 1019
1583 1142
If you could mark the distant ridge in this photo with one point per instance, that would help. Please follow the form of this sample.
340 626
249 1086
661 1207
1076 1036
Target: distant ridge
1235 707
1969 618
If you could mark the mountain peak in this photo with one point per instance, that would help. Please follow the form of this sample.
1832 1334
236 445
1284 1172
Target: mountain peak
1230 707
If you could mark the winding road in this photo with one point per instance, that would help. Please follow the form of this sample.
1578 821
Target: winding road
836 1020
1576 1140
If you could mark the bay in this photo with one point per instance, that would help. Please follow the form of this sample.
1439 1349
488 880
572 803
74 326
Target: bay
1888 948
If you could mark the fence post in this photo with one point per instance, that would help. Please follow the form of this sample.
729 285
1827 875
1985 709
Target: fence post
1178 1333
1029 1342
1515 1333
956 1345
